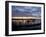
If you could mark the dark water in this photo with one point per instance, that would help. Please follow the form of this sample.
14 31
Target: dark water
16 27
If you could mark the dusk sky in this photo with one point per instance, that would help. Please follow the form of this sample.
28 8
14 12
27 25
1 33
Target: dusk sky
26 11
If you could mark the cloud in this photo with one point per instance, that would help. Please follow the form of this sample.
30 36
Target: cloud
26 10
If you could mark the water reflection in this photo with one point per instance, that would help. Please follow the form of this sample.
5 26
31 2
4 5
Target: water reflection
28 24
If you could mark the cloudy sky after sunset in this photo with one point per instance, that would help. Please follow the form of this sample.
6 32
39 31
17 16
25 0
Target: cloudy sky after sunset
26 11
